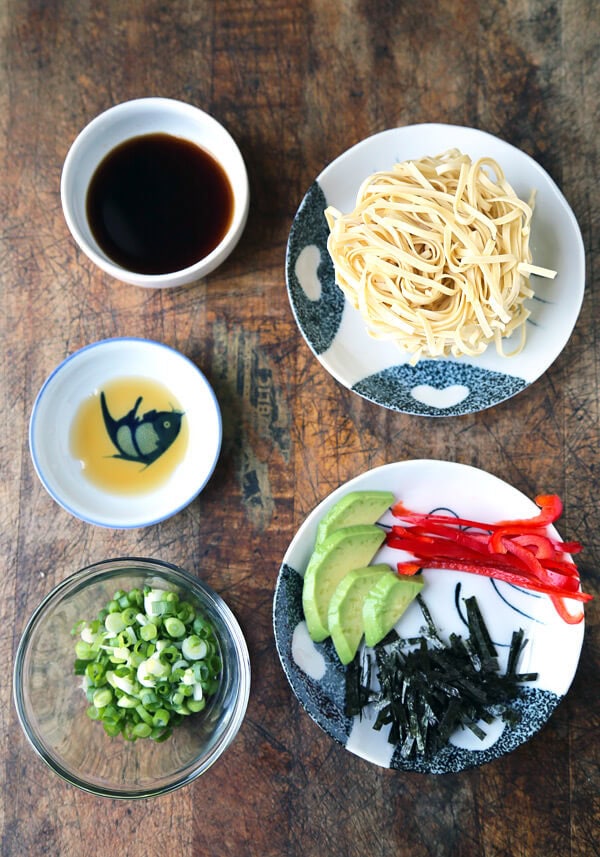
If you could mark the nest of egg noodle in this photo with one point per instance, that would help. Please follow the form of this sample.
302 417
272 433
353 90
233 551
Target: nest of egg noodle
435 256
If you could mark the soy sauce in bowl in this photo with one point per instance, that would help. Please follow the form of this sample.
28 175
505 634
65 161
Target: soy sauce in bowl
159 203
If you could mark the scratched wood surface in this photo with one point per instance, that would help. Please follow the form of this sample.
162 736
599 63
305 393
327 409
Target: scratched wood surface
296 82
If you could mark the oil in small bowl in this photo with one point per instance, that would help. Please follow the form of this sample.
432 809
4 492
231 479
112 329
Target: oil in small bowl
129 436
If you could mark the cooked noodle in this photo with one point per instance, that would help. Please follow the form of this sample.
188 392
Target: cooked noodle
436 256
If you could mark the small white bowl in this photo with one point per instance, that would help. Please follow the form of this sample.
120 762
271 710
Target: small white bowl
137 118
81 376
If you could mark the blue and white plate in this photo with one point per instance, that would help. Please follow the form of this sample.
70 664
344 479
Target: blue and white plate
376 369
318 678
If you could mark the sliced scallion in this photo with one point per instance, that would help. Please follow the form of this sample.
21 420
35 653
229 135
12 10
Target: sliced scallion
147 661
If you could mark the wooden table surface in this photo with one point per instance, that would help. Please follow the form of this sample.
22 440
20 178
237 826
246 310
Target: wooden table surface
296 82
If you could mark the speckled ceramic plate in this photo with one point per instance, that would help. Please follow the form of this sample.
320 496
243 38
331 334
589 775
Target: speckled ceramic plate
377 370
318 678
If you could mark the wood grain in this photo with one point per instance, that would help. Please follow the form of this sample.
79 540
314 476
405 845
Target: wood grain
296 82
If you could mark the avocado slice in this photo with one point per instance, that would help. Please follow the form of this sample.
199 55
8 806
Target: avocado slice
385 603
345 549
356 507
345 615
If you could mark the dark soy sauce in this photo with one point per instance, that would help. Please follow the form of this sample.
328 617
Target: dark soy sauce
158 203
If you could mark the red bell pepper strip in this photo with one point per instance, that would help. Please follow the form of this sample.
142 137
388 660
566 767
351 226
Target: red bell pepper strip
477 541
536 543
540 544
451 540
551 508
444 549
518 551
498 574
550 505
466 547
409 568
539 570
572 618
568 569
400 511
525 566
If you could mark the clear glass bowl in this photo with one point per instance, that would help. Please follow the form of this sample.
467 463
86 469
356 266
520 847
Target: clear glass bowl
51 704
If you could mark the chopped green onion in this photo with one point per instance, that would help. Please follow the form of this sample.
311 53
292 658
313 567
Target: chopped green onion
174 627
148 660
141 730
148 631
114 623
160 717
194 648
102 697
83 650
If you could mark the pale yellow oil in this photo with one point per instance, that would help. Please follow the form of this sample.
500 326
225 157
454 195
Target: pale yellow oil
91 443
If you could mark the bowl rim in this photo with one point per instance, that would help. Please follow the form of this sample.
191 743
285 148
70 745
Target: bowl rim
72 508
113 568
240 190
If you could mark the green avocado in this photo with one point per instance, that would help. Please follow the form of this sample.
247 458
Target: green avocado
343 550
357 507
385 603
345 615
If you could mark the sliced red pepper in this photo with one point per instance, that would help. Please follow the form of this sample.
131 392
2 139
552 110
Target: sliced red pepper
518 551
445 549
499 574
539 570
568 569
409 568
567 615
524 554
432 547
536 543
400 511
515 559
546 546
459 545
477 541
551 508
508 563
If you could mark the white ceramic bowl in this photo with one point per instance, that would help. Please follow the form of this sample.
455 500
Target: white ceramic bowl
136 118
82 375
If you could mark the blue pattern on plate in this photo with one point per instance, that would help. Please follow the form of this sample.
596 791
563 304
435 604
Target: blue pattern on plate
319 320
393 387
324 700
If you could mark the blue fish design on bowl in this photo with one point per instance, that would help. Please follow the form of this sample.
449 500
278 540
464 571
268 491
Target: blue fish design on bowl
141 439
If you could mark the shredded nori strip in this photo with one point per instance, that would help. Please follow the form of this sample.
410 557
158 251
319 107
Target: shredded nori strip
429 691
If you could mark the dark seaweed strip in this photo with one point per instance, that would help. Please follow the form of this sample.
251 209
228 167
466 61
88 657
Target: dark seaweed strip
430 624
517 644
357 685
478 629
430 691
476 730
519 678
